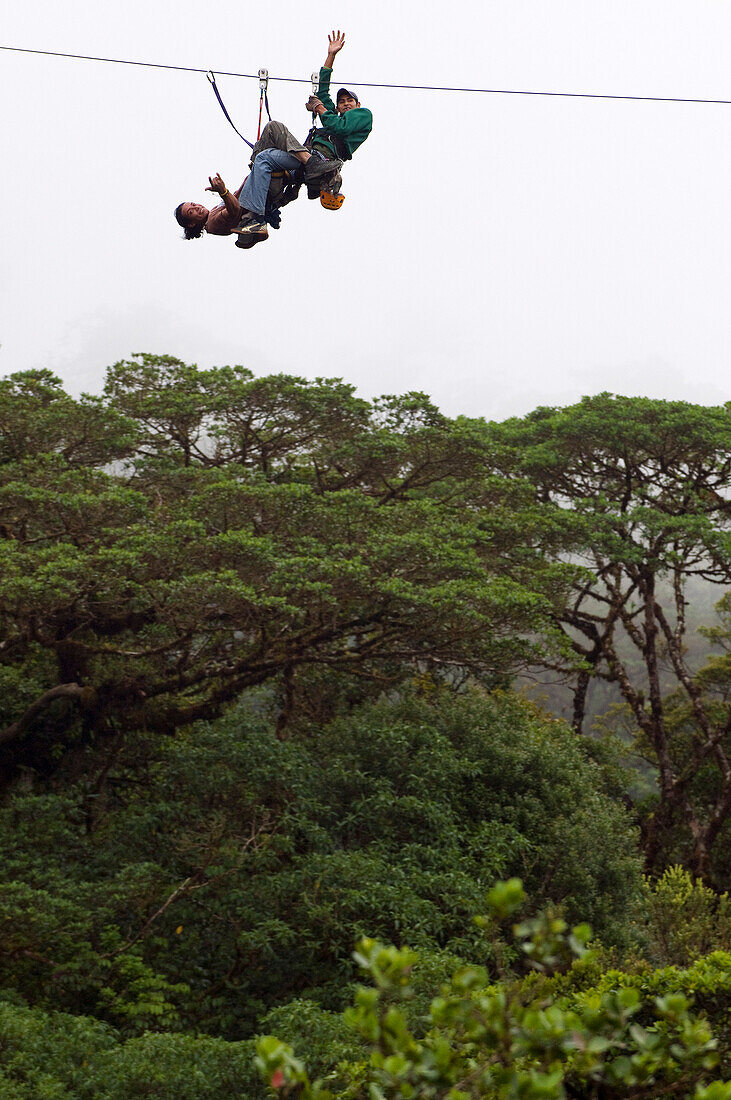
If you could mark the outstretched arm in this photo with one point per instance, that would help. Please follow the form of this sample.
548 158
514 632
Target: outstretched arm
321 103
335 43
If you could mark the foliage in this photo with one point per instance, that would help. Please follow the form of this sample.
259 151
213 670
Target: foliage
201 880
642 488
193 534
568 1029
486 1040
256 643
685 919
55 1056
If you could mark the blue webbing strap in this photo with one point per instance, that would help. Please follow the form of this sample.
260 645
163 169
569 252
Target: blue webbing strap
212 81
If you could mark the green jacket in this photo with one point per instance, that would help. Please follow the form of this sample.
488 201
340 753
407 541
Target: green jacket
347 131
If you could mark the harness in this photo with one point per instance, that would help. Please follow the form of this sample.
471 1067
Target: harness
289 183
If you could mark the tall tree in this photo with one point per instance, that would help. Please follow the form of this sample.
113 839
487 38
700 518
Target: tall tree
643 487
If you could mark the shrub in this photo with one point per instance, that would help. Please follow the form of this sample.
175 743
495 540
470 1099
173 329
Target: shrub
484 1040
684 918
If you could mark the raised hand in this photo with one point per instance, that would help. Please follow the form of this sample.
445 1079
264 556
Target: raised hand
336 41
217 185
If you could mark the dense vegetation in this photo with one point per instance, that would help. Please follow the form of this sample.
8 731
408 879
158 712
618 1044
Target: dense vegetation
259 642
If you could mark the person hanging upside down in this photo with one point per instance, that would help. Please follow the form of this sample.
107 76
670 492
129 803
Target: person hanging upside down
244 212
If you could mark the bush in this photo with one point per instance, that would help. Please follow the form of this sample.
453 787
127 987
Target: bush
486 1040
684 918
56 1056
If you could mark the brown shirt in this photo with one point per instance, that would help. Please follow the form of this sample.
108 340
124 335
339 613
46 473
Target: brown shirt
219 221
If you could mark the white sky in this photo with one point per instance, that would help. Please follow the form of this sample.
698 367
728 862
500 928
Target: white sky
498 252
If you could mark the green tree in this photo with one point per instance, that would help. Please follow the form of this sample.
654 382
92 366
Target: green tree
642 488
232 532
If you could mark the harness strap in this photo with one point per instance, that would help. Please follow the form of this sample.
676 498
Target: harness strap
212 80
320 135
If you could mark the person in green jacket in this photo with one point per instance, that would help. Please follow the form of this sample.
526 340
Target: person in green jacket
345 124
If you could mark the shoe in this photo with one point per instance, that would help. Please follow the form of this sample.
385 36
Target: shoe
318 166
248 241
256 227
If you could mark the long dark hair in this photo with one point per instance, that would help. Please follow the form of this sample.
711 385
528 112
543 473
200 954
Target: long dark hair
190 234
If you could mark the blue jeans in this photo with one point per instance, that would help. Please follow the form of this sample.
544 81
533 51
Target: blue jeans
253 194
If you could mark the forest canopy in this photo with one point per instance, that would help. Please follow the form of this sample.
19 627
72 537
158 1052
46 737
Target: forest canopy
263 655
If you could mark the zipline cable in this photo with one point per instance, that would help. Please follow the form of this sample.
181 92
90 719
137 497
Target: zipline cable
367 84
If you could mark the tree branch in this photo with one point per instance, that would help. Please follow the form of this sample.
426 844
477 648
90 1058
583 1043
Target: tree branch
61 691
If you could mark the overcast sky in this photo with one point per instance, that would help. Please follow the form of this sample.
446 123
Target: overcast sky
498 252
